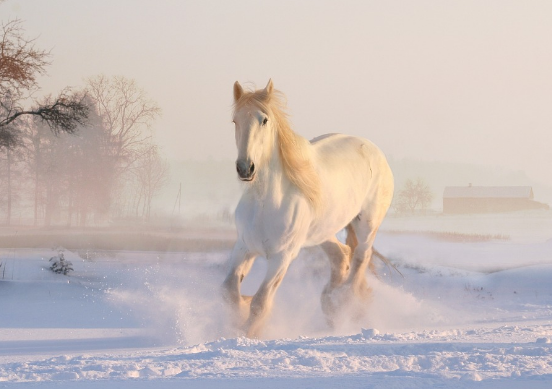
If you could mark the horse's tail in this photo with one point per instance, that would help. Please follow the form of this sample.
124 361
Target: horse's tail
352 242
385 260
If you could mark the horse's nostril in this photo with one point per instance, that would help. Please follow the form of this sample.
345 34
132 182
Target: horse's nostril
245 168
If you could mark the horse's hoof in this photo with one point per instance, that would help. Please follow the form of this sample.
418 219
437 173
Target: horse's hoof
332 303
345 302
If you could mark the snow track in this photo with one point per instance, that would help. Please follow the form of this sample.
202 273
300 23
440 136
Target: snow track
473 355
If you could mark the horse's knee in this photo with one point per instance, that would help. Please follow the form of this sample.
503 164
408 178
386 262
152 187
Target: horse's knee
230 289
228 296
346 250
339 256
238 304
229 283
361 256
362 249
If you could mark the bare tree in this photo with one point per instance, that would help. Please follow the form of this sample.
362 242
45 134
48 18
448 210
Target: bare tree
152 174
20 65
91 173
127 114
10 165
33 141
68 176
414 196
62 113
20 61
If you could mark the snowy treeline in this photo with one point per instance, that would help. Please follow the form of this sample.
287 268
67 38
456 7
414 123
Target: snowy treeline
109 168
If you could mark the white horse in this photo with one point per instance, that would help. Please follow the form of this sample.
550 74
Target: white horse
300 194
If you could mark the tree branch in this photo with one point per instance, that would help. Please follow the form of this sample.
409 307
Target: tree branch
64 114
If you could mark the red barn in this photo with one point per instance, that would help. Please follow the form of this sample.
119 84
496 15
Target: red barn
489 199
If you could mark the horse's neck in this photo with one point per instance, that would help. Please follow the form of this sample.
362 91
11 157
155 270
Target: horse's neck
270 179
271 183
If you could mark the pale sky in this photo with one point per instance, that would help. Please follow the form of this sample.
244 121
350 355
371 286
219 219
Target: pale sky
455 81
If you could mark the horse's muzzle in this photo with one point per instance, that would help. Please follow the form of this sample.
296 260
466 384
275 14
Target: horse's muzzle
245 169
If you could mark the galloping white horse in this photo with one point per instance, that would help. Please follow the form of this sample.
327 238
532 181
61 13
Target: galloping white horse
299 194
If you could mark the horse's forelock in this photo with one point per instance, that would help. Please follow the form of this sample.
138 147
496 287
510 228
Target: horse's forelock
259 99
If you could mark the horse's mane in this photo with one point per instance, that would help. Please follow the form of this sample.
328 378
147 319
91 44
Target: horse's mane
293 149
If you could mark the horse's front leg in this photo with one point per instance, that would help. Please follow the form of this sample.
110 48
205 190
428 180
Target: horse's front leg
241 261
261 304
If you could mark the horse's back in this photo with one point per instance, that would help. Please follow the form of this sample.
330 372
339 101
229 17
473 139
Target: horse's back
355 177
341 151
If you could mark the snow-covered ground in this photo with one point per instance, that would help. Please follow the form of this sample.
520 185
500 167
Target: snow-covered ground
466 314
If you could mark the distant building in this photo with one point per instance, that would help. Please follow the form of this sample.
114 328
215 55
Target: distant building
489 199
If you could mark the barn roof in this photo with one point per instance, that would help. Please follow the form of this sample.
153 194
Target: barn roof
510 192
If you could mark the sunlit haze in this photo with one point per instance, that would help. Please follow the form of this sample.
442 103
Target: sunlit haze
454 81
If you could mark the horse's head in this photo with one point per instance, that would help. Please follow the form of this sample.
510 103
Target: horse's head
254 129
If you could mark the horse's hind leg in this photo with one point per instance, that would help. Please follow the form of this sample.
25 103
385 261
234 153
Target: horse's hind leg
361 259
339 256
365 227
352 242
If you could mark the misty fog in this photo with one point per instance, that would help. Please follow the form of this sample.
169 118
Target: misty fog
118 162
455 95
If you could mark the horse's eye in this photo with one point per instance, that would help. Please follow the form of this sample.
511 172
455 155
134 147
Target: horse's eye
264 121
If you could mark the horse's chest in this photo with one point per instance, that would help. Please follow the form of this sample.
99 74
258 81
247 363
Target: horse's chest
266 230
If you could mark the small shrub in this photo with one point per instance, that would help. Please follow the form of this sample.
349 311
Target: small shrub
60 264
414 197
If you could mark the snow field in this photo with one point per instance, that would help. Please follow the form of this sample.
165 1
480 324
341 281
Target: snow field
464 314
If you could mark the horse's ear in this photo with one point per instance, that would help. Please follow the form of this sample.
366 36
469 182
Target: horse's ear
269 87
238 91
